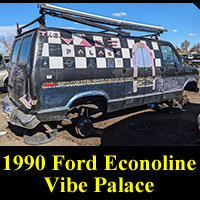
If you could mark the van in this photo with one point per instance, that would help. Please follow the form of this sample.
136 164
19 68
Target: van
58 74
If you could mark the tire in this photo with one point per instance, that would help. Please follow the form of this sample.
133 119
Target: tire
40 135
84 127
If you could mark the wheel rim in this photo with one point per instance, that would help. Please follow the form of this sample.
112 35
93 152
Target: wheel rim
84 127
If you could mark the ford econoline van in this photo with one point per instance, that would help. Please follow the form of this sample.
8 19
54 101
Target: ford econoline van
58 74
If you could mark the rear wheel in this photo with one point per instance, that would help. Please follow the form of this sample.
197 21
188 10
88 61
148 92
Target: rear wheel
84 127
82 117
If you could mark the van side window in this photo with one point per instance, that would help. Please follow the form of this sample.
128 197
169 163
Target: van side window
24 50
169 56
15 51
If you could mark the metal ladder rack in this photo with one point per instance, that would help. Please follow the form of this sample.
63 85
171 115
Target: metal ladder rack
96 21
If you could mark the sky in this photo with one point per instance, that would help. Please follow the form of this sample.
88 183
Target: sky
182 20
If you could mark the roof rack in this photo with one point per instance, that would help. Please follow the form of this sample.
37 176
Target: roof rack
92 20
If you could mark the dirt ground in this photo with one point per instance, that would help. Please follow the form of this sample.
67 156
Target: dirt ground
128 128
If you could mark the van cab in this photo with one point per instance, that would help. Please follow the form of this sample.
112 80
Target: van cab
58 74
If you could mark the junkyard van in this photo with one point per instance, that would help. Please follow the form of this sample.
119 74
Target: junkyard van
59 74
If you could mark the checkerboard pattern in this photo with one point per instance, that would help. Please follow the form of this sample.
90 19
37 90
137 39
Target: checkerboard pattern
81 51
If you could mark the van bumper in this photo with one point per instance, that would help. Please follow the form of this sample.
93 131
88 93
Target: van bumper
16 117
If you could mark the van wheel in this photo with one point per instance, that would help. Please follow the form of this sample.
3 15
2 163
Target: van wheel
84 127
171 102
42 134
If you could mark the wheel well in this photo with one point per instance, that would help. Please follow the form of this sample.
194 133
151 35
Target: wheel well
99 101
191 86
6 81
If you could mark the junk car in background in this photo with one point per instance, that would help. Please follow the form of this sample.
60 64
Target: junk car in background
4 63
195 59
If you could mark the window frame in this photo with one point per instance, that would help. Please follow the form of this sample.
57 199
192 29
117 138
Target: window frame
14 45
174 52
28 51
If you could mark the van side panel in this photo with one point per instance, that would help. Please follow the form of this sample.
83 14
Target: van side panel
77 62
81 63
126 71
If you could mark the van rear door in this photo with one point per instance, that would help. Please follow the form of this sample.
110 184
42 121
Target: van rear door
18 77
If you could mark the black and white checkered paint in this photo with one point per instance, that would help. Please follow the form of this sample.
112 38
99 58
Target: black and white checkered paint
81 51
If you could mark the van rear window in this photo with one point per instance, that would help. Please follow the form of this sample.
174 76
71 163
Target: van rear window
15 51
24 50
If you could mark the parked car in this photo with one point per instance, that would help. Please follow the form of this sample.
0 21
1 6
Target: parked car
193 59
190 56
3 73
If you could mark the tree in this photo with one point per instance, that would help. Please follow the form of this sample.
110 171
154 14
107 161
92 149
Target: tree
6 43
185 45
